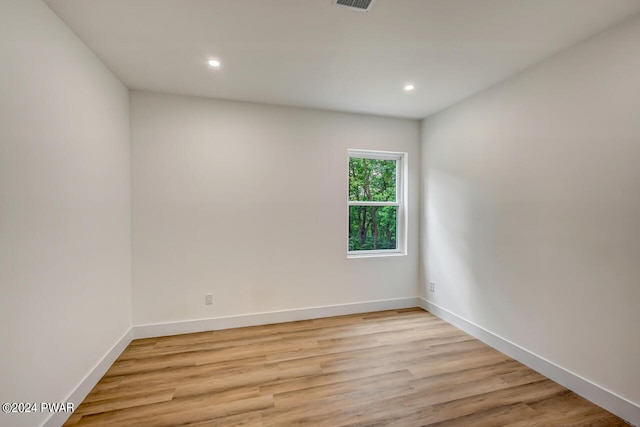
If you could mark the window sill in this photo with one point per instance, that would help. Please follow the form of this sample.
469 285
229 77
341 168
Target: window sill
375 254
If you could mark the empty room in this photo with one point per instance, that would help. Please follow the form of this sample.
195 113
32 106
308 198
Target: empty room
320 212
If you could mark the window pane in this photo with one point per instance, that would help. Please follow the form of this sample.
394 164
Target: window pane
372 227
372 180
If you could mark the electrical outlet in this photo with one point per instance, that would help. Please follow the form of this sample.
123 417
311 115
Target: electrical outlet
208 299
432 286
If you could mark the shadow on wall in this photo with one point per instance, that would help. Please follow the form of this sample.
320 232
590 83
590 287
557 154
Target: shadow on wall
465 247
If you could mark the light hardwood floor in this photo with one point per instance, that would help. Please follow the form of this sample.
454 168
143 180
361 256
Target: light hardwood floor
393 368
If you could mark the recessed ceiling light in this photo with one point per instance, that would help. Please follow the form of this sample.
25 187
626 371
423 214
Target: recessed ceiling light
214 63
409 87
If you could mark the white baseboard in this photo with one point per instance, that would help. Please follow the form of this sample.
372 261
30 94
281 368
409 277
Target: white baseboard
600 396
254 319
90 380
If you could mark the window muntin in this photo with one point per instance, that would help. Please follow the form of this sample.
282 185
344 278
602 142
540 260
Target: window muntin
376 203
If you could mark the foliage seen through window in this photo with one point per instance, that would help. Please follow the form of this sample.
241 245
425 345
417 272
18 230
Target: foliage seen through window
372 227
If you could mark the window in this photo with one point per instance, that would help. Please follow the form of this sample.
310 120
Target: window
377 203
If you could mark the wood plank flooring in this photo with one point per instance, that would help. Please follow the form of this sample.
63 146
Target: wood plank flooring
393 368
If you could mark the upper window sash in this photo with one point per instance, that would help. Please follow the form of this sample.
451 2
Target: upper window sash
381 163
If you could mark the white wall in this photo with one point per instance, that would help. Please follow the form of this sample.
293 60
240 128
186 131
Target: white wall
65 269
248 202
532 198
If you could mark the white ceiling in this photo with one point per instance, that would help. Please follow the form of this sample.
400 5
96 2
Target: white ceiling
311 53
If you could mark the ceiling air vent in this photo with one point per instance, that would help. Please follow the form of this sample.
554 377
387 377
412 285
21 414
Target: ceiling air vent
361 5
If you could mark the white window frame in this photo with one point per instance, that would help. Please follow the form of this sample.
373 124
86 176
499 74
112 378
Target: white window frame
402 192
